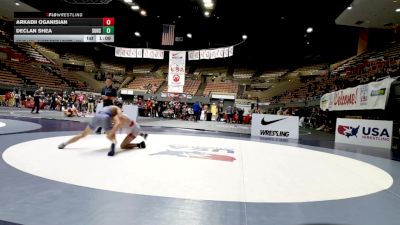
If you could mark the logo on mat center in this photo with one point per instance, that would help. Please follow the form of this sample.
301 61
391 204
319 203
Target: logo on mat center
199 152
263 122
348 131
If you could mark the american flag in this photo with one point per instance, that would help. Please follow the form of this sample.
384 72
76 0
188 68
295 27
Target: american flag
168 34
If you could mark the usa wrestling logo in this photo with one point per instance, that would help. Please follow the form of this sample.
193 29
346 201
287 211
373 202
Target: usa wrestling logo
348 131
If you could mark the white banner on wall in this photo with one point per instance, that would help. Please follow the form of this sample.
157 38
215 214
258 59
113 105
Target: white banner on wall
226 52
194 55
207 54
159 54
220 53
202 54
373 95
374 133
176 71
153 54
211 53
275 126
139 53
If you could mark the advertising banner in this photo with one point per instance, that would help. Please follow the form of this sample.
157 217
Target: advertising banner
275 126
176 71
374 133
373 95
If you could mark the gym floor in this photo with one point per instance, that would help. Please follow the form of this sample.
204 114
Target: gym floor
207 173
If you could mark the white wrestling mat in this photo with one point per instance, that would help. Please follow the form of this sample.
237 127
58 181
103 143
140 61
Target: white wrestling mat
201 168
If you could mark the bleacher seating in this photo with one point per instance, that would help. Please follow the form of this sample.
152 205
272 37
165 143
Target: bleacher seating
221 87
7 77
87 61
48 51
142 68
112 67
73 82
190 87
273 74
144 83
357 70
36 74
212 70
32 53
243 73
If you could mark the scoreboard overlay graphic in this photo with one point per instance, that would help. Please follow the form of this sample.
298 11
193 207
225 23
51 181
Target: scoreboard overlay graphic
62 27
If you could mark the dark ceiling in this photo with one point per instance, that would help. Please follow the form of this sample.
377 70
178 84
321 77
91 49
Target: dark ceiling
276 29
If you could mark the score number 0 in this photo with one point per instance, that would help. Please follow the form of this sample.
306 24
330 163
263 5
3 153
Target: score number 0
108 21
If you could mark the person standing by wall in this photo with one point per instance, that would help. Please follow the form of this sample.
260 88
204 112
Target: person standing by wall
17 99
80 99
36 98
108 95
196 111
91 102
229 114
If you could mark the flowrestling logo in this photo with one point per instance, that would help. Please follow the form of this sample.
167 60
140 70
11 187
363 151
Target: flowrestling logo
199 152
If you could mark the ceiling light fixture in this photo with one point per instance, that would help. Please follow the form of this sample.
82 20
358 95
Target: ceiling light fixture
244 37
128 1
206 13
189 35
397 10
349 8
137 34
143 13
135 7
310 30
209 5
17 4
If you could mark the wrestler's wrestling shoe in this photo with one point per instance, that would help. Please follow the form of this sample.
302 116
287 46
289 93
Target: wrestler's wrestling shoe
142 145
112 151
144 135
61 146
